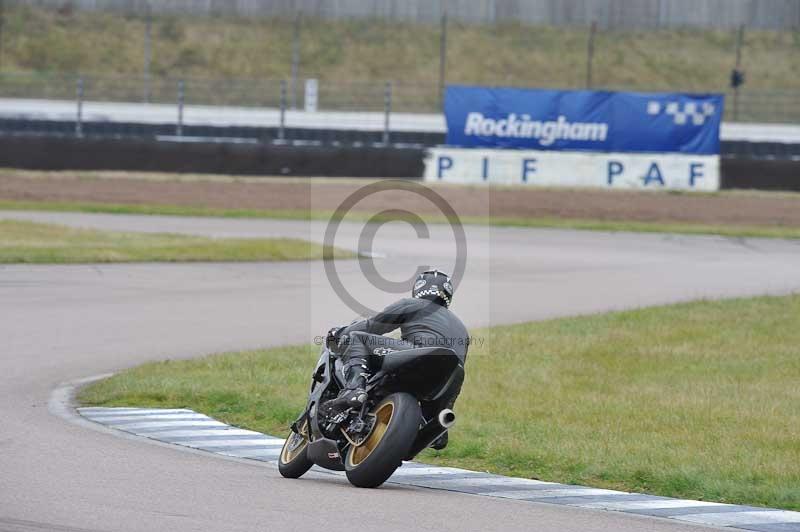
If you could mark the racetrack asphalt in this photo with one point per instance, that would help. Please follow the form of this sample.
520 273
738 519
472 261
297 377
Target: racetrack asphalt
66 322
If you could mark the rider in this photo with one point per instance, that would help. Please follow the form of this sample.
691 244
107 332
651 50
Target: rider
424 321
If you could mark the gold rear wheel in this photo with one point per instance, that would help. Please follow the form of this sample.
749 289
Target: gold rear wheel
371 462
383 417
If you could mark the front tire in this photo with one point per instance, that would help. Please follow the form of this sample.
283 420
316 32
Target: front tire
372 463
293 461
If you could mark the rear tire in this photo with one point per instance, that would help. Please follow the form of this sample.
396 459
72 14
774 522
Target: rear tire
294 462
373 462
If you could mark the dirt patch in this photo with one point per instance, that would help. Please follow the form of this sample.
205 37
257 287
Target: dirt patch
720 209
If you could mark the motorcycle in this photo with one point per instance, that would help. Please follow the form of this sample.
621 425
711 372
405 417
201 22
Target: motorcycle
403 414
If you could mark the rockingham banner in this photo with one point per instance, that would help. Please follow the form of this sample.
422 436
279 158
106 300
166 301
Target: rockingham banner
579 138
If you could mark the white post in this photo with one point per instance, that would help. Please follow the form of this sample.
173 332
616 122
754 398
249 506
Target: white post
181 99
387 110
311 98
79 115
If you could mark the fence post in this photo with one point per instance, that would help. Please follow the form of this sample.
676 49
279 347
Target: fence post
79 114
295 57
590 54
148 50
2 20
739 42
442 57
181 99
387 111
282 125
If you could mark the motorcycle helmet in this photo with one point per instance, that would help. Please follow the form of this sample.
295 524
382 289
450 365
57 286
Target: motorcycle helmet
435 286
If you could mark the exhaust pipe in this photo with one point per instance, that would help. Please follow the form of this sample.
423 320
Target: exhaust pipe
447 418
431 431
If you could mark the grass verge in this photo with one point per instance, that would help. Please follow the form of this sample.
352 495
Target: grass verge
29 242
735 231
696 400
190 46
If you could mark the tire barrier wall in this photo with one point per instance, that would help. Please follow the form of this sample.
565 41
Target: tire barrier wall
761 174
69 153
734 148
232 133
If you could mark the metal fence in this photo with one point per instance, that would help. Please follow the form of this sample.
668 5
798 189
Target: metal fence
354 103
379 113
631 14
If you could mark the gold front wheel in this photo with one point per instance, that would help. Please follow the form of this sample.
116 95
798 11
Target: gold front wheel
293 461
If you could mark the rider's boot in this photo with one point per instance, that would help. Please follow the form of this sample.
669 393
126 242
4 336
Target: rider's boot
354 393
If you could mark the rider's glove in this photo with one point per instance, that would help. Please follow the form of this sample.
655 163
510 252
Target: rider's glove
342 344
332 339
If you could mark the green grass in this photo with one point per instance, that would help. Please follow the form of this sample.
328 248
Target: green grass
697 400
735 231
29 242
218 47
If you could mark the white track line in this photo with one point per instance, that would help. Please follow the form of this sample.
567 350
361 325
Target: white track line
491 481
166 417
648 505
167 424
98 412
254 453
166 434
743 518
547 494
410 471
233 443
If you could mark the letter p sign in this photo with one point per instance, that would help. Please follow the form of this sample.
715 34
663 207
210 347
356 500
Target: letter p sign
615 168
444 163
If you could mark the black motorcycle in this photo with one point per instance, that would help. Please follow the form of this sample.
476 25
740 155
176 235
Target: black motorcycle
404 413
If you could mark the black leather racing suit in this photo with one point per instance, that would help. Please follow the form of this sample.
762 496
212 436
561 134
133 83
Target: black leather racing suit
422 323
